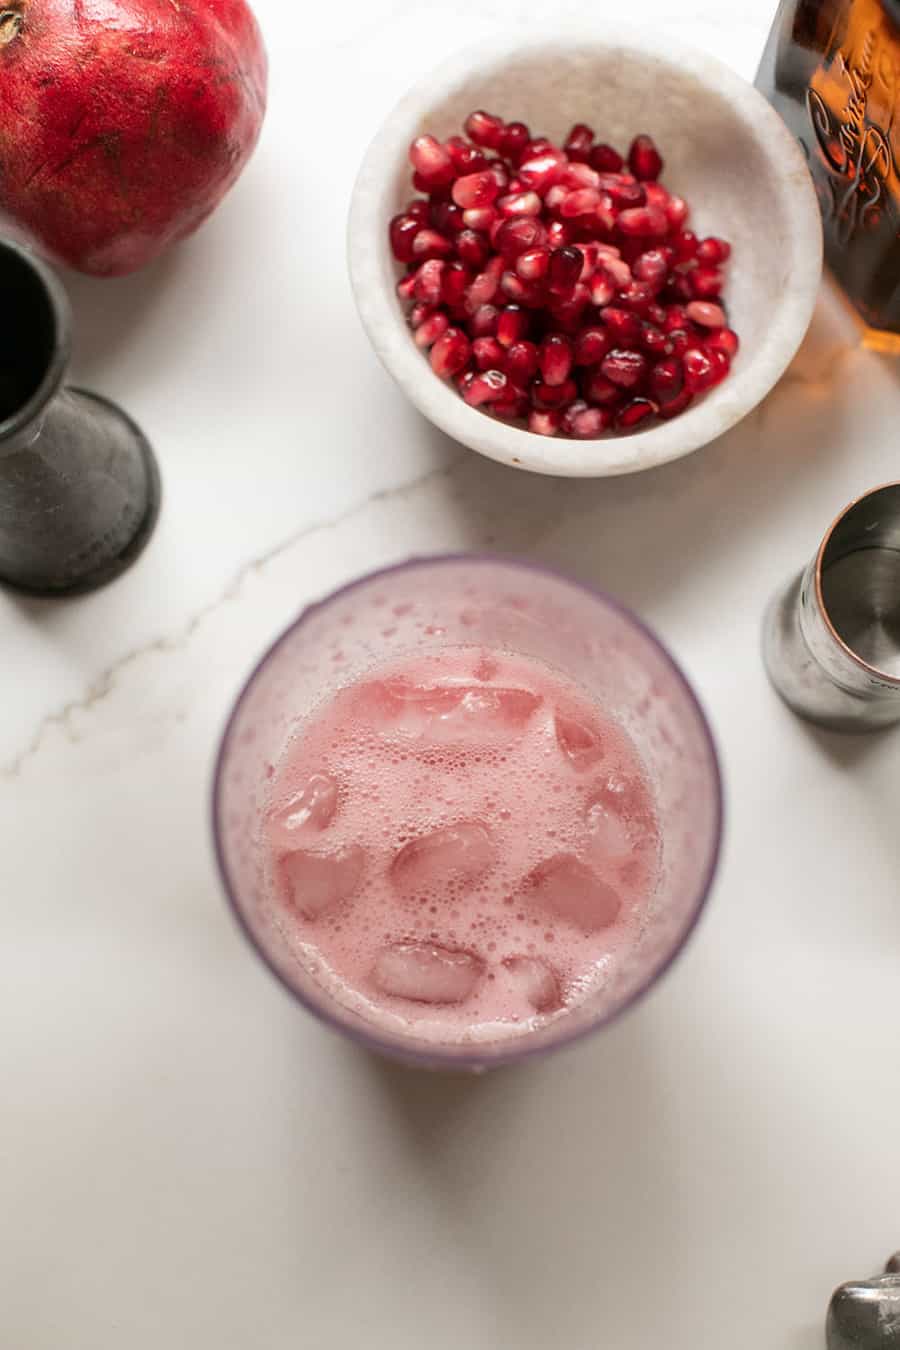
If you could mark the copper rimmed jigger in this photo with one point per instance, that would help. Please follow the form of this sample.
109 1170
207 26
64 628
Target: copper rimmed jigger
831 639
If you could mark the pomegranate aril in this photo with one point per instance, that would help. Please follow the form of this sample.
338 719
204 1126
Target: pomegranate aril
557 234
605 159
513 287
487 387
485 129
579 176
487 353
554 199
713 250
624 191
678 288
591 345
705 282
676 317
637 296
428 332
511 407
555 358
602 287
532 265
643 222
512 325
450 353
564 270
519 204
677 405
521 362
598 390
429 244
618 269
480 218
644 160
543 170
567 314
472 248
657 196
466 158
483 322
622 324
666 380
724 340
428 281
513 140
419 313
654 341
455 279
553 395
538 145
485 286
406 288
677 211
403 230
544 423
579 142
431 161
721 363
517 234
635 412
447 218
420 209
685 245
680 340
581 202
700 371
585 422
706 314
475 189
651 266
624 368
656 313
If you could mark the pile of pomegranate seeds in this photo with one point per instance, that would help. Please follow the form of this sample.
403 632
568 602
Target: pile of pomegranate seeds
558 285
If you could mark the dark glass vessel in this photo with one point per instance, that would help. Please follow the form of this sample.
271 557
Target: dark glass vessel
832 70
79 486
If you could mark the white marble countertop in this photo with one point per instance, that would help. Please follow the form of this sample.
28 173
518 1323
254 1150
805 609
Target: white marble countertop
187 1159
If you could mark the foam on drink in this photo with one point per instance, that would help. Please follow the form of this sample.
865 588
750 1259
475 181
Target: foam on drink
462 845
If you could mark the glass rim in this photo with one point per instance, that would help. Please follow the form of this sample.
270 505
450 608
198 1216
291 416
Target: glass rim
516 1049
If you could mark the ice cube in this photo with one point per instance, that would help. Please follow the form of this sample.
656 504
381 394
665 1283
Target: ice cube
425 973
535 981
316 882
580 743
452 714
309 810
609 835
627 796
571 890
463 851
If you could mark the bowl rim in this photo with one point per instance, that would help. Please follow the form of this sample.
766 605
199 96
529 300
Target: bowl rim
723 407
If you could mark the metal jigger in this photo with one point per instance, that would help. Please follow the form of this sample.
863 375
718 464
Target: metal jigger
831 639
865 1314
79 487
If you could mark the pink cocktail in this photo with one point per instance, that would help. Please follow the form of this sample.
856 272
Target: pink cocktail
467 809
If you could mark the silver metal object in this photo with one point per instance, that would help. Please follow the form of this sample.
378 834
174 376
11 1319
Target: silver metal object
831 639
865 1314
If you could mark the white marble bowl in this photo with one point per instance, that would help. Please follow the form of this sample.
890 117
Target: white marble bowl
725 150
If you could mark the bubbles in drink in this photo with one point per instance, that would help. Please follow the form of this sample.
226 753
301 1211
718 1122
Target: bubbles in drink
309 810
317 882
464 851
427 973
568 888
534 981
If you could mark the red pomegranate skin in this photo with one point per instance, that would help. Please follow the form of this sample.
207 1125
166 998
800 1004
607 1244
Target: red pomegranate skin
123 123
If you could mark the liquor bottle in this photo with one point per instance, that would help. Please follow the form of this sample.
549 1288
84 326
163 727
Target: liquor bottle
831 68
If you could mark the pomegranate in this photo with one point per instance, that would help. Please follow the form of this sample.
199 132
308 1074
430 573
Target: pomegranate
558 286
125 122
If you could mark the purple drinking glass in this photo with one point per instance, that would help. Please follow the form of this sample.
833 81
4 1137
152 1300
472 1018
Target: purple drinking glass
422 606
